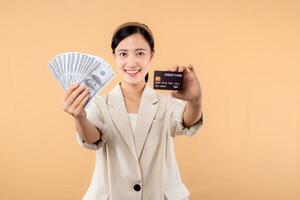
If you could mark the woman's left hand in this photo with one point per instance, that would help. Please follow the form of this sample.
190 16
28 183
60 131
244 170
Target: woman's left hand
191 86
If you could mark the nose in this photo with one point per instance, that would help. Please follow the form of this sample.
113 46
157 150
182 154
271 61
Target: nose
131 61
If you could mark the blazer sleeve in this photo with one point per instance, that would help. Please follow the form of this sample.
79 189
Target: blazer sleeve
94 116
177 126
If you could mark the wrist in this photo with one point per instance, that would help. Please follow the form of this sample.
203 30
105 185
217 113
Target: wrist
80 118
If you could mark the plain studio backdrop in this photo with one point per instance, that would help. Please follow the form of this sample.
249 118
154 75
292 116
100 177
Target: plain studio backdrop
247 57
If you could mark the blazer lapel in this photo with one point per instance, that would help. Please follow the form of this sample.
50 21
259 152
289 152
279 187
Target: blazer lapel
118 112
147 111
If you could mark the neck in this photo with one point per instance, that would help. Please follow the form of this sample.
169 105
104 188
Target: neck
133 90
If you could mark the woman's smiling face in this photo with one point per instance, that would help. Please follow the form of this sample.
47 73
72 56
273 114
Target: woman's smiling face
133 56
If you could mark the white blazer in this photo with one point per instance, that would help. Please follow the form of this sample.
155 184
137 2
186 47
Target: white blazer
143 167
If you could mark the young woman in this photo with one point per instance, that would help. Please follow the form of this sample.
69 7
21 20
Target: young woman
132 127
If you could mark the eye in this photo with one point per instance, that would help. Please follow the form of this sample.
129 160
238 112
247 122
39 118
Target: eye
141 53
122 54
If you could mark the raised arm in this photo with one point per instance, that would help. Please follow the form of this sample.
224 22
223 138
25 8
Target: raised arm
74 102
191 93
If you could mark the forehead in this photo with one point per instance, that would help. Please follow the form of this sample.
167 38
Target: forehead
134 41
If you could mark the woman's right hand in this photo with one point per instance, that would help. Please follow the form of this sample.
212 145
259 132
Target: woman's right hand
75 100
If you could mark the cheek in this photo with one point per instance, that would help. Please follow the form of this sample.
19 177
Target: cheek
120 65
145 64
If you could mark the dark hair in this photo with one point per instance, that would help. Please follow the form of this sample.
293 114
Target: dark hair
126 30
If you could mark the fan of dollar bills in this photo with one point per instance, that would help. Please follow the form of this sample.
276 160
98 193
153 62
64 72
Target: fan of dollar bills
76 67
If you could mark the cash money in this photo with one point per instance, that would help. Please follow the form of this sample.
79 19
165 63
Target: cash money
76 67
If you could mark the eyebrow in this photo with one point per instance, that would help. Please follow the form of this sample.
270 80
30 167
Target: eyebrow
139 49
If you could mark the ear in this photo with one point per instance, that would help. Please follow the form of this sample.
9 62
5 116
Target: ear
151 55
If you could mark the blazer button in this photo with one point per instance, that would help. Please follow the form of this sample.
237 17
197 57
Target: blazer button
137 187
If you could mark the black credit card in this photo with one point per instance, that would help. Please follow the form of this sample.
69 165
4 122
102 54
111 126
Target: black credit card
167 80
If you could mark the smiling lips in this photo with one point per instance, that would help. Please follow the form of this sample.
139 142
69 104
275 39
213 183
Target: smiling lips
132 72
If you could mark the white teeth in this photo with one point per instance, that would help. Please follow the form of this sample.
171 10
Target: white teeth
132 71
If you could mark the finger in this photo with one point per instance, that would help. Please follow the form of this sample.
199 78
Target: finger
75 94
72 108
81 105
190 67
181 68
80 98
187 69
70 90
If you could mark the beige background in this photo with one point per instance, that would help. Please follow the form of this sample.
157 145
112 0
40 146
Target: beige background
247 56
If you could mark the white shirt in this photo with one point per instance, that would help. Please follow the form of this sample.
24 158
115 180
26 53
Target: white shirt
133 118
